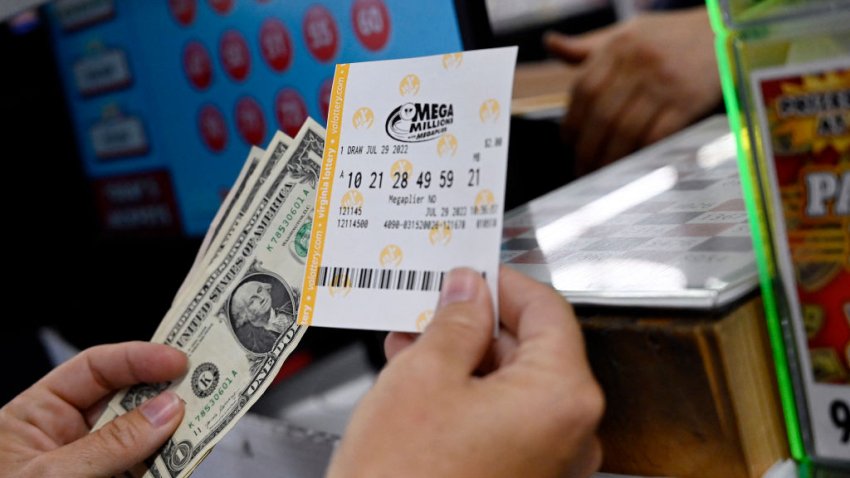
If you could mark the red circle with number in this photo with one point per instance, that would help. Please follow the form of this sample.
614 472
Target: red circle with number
197 65
372 23
221 6
321 33
183 11
325 97
212 127
290 110
276 44
250 121
234 54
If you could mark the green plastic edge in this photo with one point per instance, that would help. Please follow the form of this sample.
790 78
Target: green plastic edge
763 250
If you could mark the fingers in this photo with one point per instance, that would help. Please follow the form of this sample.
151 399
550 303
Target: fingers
98 371
94 412
63 403
534 312
122 443
631 128
572 49
462 327
593 83
598 128
666 123
395 342
587 459
517 292
500 354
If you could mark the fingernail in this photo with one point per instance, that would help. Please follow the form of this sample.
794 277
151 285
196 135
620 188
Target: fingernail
459 286
161 409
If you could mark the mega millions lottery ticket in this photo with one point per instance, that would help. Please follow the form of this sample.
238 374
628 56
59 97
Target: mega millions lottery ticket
412 185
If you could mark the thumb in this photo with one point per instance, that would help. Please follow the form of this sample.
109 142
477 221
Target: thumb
572 49
462 328
125 441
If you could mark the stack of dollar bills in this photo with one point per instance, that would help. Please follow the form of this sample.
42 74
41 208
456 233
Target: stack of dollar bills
235 314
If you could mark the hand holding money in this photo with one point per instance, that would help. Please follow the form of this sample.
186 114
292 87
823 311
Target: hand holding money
44 431
453 403
526 403
235 315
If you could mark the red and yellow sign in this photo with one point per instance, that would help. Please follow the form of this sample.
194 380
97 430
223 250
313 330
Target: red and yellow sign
809 125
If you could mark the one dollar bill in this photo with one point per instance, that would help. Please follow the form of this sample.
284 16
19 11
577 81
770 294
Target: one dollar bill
237 323
226 213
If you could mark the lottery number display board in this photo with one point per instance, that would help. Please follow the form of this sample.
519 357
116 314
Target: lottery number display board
167 97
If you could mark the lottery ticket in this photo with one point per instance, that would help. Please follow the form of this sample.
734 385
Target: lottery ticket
412 185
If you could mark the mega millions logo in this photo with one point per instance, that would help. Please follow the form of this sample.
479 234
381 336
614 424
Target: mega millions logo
391 256
343 285
363 118
409 85
352 199
489 111
423 319
418 122
400 168
452 61
440 234
447 145
485 202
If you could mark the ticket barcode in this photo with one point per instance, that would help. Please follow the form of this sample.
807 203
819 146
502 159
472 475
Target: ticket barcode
375 278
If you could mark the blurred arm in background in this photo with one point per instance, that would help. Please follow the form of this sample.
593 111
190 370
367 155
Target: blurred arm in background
637 82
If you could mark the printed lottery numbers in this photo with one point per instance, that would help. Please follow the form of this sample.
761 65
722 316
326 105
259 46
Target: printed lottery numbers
443 179
474 177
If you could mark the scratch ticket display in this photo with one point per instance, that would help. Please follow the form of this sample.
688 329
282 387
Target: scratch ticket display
412 185
786 73
804 115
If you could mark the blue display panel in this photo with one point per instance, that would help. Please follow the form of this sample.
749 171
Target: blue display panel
167 96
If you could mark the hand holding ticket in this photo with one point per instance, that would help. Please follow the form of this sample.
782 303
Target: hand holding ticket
412 185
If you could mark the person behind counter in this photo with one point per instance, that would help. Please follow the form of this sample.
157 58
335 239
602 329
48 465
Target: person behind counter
452 402
637 82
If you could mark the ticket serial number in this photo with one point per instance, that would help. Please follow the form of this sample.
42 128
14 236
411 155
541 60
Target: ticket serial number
418 225
350 210
352 223
423 224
